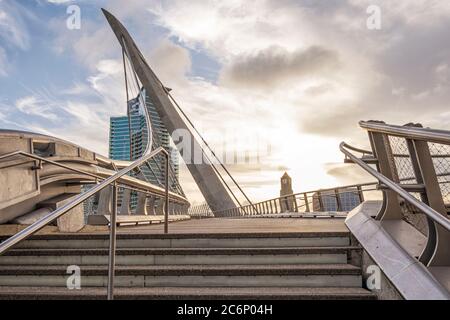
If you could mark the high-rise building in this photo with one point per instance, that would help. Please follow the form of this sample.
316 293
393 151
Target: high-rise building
134 124
119 135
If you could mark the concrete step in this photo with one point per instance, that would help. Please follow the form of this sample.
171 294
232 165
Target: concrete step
306 275
226 240
181 293
176 256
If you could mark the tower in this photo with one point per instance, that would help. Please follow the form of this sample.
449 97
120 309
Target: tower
287 204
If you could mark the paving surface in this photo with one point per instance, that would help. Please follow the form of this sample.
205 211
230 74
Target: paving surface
250 225
213 226
187 293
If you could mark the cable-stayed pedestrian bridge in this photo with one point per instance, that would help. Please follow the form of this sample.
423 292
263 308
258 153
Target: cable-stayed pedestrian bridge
383 239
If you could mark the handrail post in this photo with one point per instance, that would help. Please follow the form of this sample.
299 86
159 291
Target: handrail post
295 203
112 243
360 194
319 197
381 149
338 200
437 249
166 211
305 196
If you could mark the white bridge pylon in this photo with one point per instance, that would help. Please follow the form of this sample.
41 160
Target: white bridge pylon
206 176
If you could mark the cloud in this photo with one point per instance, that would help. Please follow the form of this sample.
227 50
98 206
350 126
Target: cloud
276 65
347 174
89 45
33 105
13 30
59 1
171 62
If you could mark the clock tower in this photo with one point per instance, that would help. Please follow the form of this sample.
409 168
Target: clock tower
287 204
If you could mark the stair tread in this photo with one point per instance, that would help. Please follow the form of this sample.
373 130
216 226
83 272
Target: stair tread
190 292
238 269
181 251
142 235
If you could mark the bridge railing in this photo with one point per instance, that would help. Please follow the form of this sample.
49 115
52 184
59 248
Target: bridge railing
110 181
413 169
332 200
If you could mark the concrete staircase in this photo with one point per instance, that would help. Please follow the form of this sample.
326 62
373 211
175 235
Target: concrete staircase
187 266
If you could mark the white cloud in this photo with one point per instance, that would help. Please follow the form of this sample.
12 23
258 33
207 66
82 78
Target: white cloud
33 105
13 29
59 1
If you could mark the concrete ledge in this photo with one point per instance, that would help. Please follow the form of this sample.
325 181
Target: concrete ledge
304 215
199 293
411 279
190 270
103 220
256 235
183 251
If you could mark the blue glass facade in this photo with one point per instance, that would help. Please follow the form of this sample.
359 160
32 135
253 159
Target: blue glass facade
119 134
119 139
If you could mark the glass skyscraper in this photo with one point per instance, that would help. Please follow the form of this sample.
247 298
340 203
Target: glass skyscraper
134 124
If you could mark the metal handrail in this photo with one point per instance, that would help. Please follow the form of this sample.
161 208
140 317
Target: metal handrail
321 190
38 225
409 132
428 211
96 176
308 194
42 159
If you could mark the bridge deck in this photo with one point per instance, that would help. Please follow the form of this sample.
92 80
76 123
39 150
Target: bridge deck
216 225
251 225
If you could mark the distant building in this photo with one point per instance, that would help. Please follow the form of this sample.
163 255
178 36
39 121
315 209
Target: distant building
119 135
287 204
348 198
135 124
119 139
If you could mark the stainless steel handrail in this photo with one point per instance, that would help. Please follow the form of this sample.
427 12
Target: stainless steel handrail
321 190
96 176
308 195
38 225
430 212
42 159
409 132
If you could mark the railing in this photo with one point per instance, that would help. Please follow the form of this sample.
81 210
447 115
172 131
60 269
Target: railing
338 199
200 211
112 180
413 167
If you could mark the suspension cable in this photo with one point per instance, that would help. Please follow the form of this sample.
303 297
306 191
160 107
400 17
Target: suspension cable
151 132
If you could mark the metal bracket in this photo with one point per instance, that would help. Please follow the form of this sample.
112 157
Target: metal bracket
38 166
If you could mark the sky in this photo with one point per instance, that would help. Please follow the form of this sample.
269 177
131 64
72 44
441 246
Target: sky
287 79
